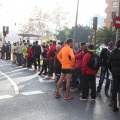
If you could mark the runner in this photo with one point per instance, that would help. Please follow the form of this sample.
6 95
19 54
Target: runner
45 61
89 70
114 66
36 55
67 59
50 56
77 73
104 69
57 64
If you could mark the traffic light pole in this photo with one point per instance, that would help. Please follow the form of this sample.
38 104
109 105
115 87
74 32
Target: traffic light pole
118 30
75 25
95 21
94 38
3 38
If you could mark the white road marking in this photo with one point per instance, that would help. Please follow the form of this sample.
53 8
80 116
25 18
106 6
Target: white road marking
5 97
32 93
46 81
16 70
13 83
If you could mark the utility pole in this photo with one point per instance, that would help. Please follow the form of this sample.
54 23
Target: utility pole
95 21
118 30
75 24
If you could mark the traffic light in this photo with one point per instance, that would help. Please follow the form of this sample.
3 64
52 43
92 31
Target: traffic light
3 29
95 20
7 30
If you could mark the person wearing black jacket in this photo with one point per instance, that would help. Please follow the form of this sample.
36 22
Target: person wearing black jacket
36 55
105 53
45 61
114 67
57 64
3 49
8 51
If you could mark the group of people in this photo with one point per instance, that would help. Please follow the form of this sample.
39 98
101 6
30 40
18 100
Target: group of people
77 68
25 54
6 51
81 67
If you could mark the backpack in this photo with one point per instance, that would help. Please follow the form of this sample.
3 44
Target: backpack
94 62
53 54
44 53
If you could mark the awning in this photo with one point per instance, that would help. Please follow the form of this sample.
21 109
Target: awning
29 35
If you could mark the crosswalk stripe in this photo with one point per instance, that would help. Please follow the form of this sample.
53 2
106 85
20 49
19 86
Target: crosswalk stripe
45 81
5 97
32 93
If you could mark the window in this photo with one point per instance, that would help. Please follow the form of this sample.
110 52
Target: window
112 23
113 15
114 4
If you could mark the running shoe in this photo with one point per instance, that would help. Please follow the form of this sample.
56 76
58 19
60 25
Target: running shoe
68 97
83 99
73 89
57 95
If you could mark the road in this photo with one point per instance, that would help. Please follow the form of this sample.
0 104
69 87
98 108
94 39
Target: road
25 96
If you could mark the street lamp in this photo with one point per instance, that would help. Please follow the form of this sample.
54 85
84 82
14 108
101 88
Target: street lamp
75 24
89 38
118 30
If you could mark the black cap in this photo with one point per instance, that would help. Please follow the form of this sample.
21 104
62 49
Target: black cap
83 44
54 42
111 44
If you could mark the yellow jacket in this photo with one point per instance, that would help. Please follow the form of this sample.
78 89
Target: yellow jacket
66 57
25 50
13 50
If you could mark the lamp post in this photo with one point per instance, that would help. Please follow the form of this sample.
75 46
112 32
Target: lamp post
118 30
89 39
75 24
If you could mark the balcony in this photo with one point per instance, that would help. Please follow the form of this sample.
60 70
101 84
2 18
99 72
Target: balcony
110 9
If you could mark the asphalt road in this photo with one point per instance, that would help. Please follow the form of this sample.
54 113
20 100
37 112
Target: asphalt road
25 96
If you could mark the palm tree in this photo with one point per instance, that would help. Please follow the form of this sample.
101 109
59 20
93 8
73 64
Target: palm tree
106 34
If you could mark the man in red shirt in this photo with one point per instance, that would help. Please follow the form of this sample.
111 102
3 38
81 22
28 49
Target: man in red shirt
89 75
30 57
50 56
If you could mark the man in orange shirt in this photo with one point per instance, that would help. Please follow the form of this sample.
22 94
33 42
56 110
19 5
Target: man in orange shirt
67 59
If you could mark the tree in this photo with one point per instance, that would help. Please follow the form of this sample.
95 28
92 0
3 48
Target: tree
59 18
37 23
82 33
45 24
106 34
63 34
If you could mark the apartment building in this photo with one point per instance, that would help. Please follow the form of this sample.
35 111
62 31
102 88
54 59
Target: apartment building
111 11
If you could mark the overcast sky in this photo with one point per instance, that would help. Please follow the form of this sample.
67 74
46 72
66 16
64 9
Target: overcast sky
15 11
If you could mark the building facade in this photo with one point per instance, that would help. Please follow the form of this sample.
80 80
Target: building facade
111 11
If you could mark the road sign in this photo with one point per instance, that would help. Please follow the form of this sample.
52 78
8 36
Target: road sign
117 22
